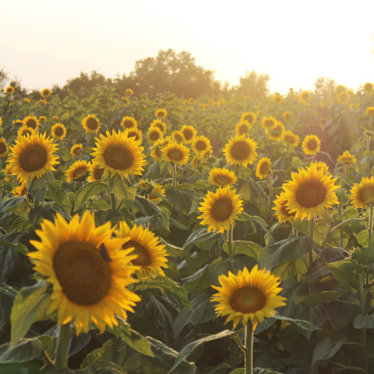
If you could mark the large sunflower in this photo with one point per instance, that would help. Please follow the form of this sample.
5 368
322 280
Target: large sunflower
362 194
3 147
150 253
88 270
220 209
118 154
311 145
222 177
240 150
189 133
91 123
128 122
76 171
176 153
263 167
32 122
58 131
370 111
248 296
201 144
32 156
309 192
281 211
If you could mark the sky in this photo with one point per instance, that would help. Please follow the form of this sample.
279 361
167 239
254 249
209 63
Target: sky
47 42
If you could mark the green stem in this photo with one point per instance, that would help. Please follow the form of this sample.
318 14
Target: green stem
370 223
311 237
63 346
230 239
363 333
341 220
248 362
112 201
174 174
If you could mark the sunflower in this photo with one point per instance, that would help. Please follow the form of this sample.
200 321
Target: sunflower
20 190
220 209
88 270
126 101
320 165
281 211
157 190
263 167
26 100
129 91
17 122
76 150
176 153
55 118
248 296
243 128
42 119
58 131
32 156
1 121
189 133
201 144
368 87
287 116
347 158
3 147
96 172
268 122
290 138
343 97
76 171
370 111
9 90
91 123
222 177
118 154
277 98
362 194
240 150
25 131
45 92
305 95
128 122
340 88
177 136
31 122
311 145
134 133
161 113
43 102
250 117
310 192
150 253
159 124
277 132
154 134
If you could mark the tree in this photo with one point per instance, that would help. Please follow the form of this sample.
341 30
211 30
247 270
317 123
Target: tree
253 84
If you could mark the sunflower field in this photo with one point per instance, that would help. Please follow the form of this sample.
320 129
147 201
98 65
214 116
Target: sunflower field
214 235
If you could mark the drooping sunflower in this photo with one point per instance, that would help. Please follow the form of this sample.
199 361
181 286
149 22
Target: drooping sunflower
32 156
290 138
250 117
91 124
3 147
248 296
76 150
343 97
20 190
201 144
96 172
276 132
311 145
118 154
281 211
32 122
150 253
176 153
347 158
189 133
220 209
134 133
177 136
88 270
370 111
128 122
9 90
45 92
287 116
263 167
58 131
310 192
362 194
159 124
161 113
76 171
240 150
222 177
268 122
243 128
368 87
154 134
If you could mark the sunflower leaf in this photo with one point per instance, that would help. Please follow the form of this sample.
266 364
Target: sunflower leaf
87 191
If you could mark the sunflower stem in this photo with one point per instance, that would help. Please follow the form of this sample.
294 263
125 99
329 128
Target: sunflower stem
174 175
231 243
248 359
63 346
311 237
341 220
112 201
363 311
370 223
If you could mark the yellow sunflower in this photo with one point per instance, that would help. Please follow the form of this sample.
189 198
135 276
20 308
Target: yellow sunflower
243 128
150 253
9 90
276 132
31 122
161 113
320 165
58 131
201 144
189 133
126 101
43 102
96 172
176 153
370 111
281 211
32 156
88 270
76 171
268 122
128 122
347 158
277 98
248 296
129 91
343 97
263 167
45 92
154 134
368 87
1 121
311 145
91 124
3 147
157 190
25 131
250 117
26 100
118 154
310 192
240 150
290 138
134 133
42 119
362 194
220 209
159 124
177 136
287 116
222 177
305 95
20 190
76 150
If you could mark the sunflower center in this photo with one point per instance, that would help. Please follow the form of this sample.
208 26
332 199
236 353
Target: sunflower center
118 156
249 118
222 180
82 272
264 168
160 127
187 134
310 193
289 139
77 150
2 147
59 131
175 154
79 172
133 134
97 173
31 123
243 129
240 150
92 123
154 135
269 123
312 144
33 158
366 194
178 137
285 211
144 258
248 299
200 145
128 124
222 209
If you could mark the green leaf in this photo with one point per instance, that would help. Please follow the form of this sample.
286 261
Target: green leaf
198 237
345 272
89 190
189 348
56 194
364 321
248 248
30 305
302 324
10 203
324 350
317 297
121 189
173 250
363 238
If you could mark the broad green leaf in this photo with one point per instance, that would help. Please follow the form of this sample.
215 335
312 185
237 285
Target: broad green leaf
56 194
345 272
325 350
317 297
10 203
89 190
302 324
362 321
173 250
197 237
363 238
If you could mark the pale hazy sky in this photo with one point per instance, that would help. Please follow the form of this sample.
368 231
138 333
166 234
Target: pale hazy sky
44 42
